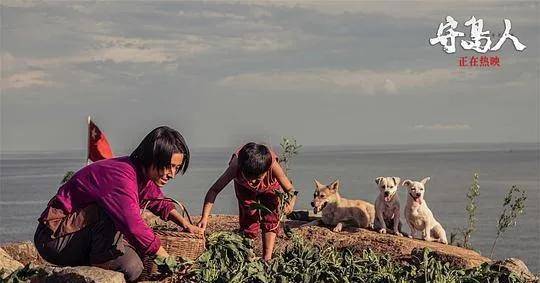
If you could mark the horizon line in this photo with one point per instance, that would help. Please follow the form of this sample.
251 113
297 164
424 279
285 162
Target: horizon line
203 148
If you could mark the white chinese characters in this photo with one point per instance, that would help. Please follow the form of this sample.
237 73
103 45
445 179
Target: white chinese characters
480 40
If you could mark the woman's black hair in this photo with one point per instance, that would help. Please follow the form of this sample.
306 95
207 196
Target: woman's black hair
158 147
254 159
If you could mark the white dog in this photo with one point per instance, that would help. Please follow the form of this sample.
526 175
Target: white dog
387 208
418 215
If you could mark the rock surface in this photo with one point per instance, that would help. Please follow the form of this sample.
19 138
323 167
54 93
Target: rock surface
361 239
15 255
80 274
8 264
397 247
401 248
518 267
24 252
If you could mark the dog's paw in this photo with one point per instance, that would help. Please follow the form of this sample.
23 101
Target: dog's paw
382 231
338 228
410 236
397 233
442 241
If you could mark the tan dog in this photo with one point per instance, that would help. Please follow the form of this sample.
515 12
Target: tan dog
387 208
337 211
419 216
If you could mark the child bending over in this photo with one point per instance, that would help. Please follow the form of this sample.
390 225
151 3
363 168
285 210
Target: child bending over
257 176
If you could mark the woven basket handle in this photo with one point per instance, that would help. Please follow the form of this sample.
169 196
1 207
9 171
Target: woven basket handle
182 206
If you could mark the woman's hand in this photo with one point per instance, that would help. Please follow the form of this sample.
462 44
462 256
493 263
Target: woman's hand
195 230
202 223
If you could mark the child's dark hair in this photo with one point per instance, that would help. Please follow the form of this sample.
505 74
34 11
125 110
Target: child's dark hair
254 159
158 147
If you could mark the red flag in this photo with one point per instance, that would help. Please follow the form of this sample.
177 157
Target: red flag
98 146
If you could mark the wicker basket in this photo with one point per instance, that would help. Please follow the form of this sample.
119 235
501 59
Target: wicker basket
176 243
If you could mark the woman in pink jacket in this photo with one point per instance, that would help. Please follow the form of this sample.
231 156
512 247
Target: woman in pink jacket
94 219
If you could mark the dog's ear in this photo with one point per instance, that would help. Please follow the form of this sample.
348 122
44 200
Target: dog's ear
334 186
424 181
318 184
407 183
378 180
396 180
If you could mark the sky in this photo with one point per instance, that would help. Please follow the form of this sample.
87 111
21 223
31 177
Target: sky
223 73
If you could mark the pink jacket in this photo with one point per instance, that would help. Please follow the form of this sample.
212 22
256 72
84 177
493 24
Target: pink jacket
116 186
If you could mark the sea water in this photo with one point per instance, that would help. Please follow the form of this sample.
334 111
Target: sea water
29 179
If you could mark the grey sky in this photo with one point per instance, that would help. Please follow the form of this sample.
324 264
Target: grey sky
222 73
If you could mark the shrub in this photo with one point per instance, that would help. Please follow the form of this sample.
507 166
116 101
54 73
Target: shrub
513 207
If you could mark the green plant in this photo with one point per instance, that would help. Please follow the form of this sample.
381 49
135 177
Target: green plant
304 262
472 195
513 207
169 263
173 266
289 149
260 207
229 259
23 274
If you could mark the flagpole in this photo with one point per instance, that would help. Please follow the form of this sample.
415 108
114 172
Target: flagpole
88 141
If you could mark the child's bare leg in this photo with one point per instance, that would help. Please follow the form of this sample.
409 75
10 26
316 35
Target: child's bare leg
269 239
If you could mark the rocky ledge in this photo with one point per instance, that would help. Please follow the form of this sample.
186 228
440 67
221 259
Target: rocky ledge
14 256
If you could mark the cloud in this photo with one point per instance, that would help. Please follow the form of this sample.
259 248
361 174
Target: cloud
19 3
118 49
8 63
255 43
133 55
243 15
121 49
456 126
26 80
204 14
367 82
490 10
184 46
